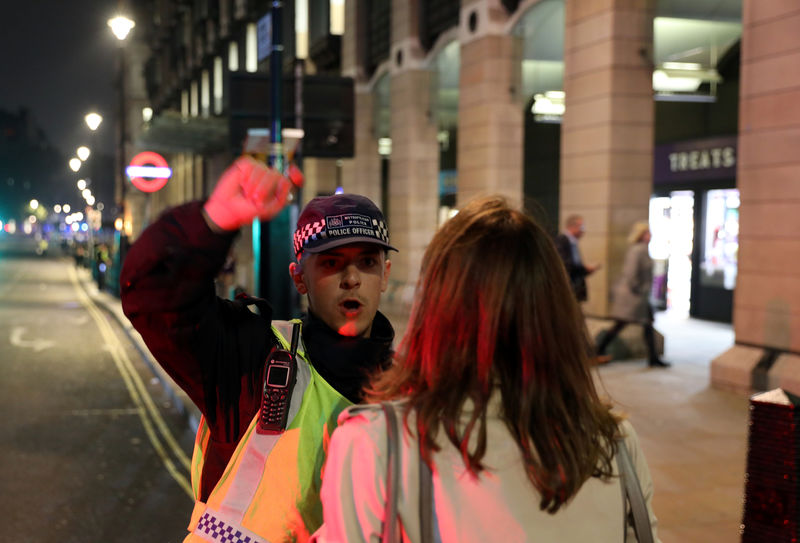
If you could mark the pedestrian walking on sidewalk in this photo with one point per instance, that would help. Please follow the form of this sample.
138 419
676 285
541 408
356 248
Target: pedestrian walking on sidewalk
260 448
567 245
496 404
630 302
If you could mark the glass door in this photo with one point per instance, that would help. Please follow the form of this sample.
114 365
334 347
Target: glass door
718 255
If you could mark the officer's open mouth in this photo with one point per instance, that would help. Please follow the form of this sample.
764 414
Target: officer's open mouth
351 305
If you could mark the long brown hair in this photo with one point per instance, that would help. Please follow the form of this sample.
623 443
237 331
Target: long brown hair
494 310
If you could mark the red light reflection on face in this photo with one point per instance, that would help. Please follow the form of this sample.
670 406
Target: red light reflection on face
348 329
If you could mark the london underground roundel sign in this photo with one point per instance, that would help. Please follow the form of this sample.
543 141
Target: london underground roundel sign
148 171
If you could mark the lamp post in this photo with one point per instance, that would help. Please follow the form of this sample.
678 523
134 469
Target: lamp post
93 121
121 27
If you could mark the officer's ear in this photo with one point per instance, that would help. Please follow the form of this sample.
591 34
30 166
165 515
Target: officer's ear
296 272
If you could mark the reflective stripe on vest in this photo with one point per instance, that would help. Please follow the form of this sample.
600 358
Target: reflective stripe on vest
199 455
270 488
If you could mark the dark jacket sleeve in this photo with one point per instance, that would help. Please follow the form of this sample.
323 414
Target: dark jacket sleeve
213 348
564 247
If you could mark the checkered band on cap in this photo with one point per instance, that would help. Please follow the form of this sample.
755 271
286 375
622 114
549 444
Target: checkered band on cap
310 231
381 230
333 221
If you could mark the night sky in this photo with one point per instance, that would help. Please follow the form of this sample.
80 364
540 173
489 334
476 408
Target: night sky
58 61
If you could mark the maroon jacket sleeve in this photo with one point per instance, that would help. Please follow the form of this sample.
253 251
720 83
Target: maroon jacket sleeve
214 349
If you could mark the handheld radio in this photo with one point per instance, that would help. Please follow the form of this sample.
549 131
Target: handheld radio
279 379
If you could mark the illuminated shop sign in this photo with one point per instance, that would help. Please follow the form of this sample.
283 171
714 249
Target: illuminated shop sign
148 171
695 160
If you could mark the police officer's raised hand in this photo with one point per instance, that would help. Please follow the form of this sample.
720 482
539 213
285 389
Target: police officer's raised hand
246 190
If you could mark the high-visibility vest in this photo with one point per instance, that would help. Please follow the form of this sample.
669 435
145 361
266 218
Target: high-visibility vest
269 492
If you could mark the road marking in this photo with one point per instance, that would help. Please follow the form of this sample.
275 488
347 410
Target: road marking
109 412
148 413
36 344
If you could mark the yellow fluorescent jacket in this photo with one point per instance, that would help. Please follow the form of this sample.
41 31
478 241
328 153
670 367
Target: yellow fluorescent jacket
269 492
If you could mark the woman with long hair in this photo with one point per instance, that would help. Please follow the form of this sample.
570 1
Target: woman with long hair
630 297
494 384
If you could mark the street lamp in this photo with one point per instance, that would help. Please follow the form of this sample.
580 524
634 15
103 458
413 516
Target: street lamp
121 27
83 152
93 120
74 164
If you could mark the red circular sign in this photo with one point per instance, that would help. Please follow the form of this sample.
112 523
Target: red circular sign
145 163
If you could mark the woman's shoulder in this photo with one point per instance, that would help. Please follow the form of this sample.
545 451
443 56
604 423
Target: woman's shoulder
371 417
365 427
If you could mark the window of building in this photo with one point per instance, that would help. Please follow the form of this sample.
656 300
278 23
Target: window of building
233 56
301 28
540 39
444 103
194 102
251 48
686 53
205 93
336 26
435 17
218 85
377 18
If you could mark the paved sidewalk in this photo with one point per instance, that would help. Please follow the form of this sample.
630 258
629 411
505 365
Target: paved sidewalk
694 436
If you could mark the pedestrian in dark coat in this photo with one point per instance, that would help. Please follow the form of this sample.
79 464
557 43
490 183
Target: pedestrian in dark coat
567 246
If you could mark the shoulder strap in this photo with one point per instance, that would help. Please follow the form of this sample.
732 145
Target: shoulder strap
429 528
630 483
393 452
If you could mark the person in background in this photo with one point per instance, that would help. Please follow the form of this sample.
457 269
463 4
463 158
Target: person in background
494 386
567 245
260 447
630 297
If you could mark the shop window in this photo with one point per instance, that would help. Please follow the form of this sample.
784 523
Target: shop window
720 239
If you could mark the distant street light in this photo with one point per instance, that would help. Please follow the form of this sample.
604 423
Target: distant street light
86 193
81 184
74 164
66 208
121 26
93 120
83 152
34 204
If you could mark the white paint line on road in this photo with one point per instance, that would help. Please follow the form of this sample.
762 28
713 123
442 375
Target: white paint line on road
37 345
149 415
106 412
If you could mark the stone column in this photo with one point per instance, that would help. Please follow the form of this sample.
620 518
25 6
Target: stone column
362 173
490 121
413 169
766 311
607 130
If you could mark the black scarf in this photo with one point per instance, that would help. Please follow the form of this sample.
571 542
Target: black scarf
346 362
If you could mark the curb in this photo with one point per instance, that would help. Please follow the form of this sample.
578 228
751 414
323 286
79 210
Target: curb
113 306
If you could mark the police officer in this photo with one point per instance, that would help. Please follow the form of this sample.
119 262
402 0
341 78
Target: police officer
248 479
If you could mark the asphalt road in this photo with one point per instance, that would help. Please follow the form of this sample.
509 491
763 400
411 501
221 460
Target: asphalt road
91 448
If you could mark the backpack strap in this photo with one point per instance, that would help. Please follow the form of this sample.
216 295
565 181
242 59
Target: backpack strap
390 534
429 528
633 493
